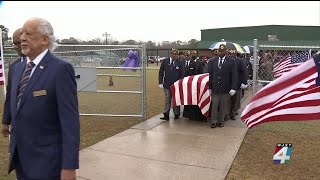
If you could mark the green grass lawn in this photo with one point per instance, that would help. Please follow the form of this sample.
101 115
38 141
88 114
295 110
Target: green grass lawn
253 161
95 129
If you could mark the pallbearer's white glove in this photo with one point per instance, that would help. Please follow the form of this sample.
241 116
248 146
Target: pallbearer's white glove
161 86
232 92
210 91
243 86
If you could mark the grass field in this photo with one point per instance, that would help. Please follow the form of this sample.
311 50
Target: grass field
253 161
95 129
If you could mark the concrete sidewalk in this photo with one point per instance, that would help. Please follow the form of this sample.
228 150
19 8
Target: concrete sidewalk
165 150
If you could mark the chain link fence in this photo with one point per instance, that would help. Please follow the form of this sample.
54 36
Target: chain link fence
272 61
105 88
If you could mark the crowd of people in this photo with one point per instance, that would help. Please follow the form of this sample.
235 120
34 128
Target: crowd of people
229 73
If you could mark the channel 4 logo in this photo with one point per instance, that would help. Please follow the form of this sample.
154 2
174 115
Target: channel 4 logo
282 153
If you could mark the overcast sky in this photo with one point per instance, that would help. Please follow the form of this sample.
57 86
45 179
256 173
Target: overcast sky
156 21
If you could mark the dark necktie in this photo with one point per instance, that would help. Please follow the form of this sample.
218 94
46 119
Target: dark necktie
24 80
220 63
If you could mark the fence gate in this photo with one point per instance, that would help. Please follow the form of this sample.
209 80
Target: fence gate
105 88
267 58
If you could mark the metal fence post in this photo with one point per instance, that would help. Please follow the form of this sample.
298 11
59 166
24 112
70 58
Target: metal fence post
255 60
144 82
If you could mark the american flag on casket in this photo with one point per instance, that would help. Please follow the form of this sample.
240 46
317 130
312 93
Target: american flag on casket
192 90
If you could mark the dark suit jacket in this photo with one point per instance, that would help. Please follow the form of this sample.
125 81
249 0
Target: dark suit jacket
221 81
168 74
191 69
45 130
249 68
6 108
199 67
242 72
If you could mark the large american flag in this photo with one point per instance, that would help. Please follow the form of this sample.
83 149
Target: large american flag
192 90
289 62
295 96
1 63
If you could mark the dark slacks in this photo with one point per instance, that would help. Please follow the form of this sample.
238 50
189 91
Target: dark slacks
235 102
221 101
167 106
21 175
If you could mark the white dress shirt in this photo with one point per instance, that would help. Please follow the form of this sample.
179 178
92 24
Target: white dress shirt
37 60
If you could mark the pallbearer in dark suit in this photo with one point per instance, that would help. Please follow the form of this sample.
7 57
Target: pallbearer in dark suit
182 58
214 55
242 83
249 68
199 64
196 113
189 70
222 82
189 65
43 109
171 70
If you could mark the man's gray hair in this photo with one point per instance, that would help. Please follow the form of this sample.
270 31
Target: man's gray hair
45 28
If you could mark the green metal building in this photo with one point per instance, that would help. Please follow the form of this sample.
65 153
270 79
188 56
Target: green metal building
267 35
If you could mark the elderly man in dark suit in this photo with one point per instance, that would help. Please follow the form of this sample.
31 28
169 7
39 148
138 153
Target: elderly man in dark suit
222 83
43 109
171 70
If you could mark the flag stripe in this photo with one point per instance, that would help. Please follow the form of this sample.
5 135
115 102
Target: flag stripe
185 94
289 117
299 113
189 91
181 92
194 93
299 98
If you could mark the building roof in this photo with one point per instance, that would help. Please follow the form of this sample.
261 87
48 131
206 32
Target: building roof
270 25
276 44
282 32
284 35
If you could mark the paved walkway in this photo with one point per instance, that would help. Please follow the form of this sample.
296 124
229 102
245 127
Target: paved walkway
165 150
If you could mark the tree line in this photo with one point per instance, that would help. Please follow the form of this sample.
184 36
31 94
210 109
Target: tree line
191 44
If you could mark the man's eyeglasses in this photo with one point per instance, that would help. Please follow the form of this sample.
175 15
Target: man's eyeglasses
16 44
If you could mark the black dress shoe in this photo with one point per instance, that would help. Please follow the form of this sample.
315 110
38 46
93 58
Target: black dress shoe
236 113
165 118
221 124
214 125
176 117
232 117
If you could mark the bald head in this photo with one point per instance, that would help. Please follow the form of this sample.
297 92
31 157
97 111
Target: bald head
16 41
